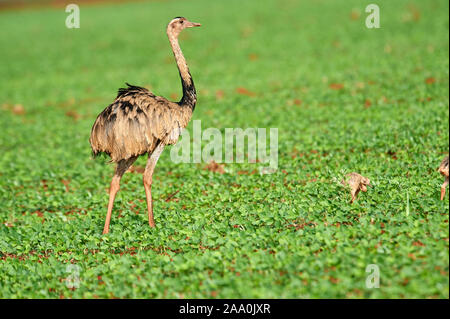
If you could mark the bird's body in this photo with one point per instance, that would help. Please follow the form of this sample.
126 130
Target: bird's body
443 169
136 122
139 122
357 183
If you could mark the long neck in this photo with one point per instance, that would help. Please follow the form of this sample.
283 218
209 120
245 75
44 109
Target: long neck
189 98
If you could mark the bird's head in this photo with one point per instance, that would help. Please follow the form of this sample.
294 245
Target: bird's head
364 183
178 24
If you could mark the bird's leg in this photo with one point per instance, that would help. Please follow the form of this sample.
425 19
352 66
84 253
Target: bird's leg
354 194
443 188
148 179
121 168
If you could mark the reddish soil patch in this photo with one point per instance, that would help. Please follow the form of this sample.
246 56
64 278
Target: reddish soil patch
216 168
302 224
244 91
220 94
44 184
18 109
244 172
418 243
136 169
73 115
430 80
336 86
253 56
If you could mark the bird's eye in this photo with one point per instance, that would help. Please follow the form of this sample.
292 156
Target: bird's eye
181 21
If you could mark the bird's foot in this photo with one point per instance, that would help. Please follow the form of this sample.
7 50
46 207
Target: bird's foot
151 221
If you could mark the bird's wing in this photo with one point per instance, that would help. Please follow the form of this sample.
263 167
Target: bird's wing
136 122
163 119
444 167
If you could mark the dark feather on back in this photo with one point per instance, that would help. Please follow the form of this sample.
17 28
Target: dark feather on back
131 89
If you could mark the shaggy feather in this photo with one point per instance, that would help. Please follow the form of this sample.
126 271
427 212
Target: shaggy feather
136 122
443 168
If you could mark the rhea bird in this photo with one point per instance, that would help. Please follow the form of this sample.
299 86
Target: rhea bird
357 183
139 122
443 169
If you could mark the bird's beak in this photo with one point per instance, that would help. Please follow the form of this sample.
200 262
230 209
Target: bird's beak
193 24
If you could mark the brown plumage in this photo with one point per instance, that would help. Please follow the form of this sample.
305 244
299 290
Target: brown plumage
138 122
357 183
443 169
